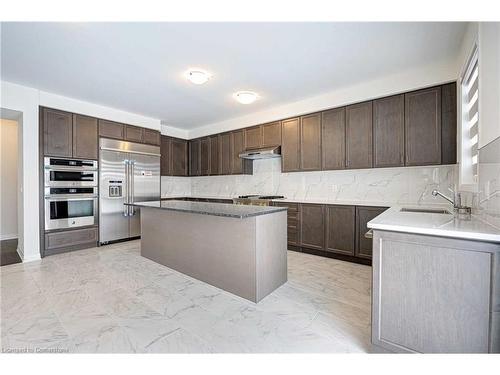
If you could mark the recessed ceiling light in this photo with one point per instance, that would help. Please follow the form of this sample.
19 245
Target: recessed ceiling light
246 97
198 76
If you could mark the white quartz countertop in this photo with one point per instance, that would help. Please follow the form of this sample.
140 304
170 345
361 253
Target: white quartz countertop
444 225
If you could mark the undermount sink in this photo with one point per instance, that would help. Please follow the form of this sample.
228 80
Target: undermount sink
426 210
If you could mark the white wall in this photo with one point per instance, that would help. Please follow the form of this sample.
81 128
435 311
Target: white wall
27 100
421 77
8 179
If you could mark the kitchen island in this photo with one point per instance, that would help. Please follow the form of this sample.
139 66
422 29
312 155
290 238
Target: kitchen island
241 249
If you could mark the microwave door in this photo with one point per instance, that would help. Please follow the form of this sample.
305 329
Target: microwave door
113 193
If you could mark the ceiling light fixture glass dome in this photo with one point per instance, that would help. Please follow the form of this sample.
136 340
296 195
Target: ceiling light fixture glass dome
198 76
246 97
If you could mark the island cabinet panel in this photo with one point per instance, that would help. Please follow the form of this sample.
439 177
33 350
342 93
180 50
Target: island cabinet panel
85 138
312 226
151 137
359 148
423 127
253 137
449 123
57 133
134 133
290 145
166 156
110 129
340 229
205 156
388 132
194 157
214 165
179 166
225 153
363 215
333 139
271 134
310 142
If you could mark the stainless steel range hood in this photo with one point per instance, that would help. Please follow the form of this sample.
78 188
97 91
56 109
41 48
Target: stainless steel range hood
262 153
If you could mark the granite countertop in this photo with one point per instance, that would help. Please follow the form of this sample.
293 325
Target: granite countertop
213 209
444 225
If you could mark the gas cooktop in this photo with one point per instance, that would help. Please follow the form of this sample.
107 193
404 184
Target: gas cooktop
255 196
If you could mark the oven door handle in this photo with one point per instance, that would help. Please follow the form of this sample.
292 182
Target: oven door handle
70 198
66 197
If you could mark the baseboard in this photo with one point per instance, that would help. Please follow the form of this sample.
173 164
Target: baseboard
11 236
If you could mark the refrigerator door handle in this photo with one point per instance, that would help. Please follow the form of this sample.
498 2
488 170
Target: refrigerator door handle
125 207
132 182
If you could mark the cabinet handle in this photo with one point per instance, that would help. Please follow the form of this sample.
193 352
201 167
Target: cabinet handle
369 234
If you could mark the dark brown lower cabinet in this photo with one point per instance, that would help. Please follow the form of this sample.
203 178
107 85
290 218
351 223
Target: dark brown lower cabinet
340 229
312 226
67 240
363 216
292 224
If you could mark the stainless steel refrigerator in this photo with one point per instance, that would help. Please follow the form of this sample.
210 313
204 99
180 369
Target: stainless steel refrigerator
129 172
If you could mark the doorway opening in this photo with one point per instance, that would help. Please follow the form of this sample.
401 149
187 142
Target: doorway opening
10 187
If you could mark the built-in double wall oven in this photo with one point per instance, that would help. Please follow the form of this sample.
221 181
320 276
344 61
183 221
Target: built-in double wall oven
71 193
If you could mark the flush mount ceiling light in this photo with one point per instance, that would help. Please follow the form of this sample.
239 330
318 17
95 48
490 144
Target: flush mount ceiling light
198 76
246 97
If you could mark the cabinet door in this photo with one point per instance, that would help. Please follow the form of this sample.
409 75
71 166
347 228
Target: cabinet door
110 129
179 152
312 226
166 156
310 142
214 164
237 147
449 123
340 229
151 137
363 216
253 137
194 157
205 156
57 133
85 144
388 131
290 145
333 139
225 153
359 135
271 134
423 127
134 133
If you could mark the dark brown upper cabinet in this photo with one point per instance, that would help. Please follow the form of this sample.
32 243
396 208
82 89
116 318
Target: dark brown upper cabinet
214 165
253 137
134 133
166 156
57 133
389 132
239 165
423 127
179 163
110 129
359 135
85 139
363 216
333 139
151 137
312 226
340 229
290 145
271 134
449 124
225 153
205 156
194 157
310 142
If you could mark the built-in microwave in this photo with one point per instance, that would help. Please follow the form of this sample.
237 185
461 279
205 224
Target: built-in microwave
60 172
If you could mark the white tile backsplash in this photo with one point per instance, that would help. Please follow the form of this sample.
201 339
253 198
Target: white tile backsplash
489 181
408 185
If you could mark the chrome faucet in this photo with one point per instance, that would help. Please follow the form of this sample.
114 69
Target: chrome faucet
456 202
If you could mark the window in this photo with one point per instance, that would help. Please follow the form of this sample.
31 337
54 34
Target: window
469 88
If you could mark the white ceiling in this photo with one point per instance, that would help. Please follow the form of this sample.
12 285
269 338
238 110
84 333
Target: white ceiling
138 67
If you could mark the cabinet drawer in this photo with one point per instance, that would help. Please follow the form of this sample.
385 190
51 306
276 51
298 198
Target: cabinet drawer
57 240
